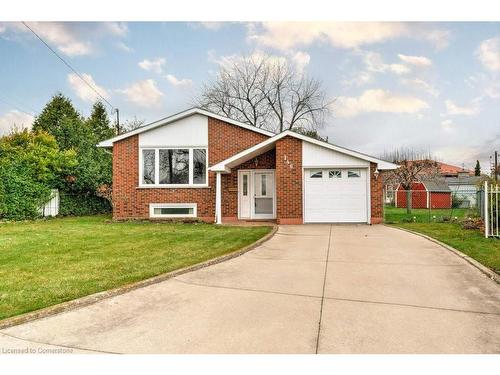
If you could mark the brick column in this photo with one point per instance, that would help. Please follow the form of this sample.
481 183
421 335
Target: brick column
289 181
376 196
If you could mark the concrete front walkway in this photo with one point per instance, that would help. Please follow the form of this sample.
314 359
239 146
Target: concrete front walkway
310 289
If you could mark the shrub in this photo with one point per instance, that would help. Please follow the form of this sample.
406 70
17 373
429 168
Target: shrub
82 204
30 166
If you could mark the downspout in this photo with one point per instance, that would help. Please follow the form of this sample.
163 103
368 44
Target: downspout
218 198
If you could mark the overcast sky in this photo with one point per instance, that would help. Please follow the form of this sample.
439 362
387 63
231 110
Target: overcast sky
433 86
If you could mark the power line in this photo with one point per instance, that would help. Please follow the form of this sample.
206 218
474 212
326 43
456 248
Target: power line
69 66
15 106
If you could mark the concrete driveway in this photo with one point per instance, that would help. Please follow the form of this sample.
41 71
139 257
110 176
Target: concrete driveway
310 289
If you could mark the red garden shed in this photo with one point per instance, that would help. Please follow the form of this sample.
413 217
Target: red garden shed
425 194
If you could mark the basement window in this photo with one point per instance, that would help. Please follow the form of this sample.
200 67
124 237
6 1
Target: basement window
171 210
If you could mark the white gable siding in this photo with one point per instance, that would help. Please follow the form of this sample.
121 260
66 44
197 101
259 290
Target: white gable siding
317 156
188 131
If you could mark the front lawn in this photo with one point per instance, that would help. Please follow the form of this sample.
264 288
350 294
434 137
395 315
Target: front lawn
46 262
470 242
422 215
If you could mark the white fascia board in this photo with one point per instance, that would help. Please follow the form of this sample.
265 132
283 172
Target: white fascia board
178 116
224 166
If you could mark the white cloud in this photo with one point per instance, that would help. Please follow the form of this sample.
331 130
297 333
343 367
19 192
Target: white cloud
154 65
70 38
358 79
15 119
377 100
289 35
298 59
143 93
489 53
83 91
122 46
375 63
487 86
211 25
178 82
453 109
419 61
447 125
115 28
301 60
420 84
437 37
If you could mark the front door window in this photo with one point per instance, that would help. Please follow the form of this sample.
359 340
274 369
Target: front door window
264 200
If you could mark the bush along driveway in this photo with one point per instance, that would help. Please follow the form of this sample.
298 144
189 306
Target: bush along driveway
46 262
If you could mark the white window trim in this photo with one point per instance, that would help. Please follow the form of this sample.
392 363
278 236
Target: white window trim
157 185
152 206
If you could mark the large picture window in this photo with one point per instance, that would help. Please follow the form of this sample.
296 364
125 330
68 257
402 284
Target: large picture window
174 166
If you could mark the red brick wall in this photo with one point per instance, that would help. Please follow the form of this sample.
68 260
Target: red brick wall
289 181
130 201
376 196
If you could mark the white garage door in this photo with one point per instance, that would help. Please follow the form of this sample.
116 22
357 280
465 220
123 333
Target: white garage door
336 195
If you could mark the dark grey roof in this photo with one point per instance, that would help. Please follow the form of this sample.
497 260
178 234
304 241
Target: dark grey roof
436 184
463 180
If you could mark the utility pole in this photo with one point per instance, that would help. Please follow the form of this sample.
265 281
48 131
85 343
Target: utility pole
496 167
117 111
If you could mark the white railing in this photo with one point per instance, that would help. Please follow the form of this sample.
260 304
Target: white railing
491 210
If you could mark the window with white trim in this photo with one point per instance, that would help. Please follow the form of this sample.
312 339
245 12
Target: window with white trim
159 210
173 166
335 173
353 173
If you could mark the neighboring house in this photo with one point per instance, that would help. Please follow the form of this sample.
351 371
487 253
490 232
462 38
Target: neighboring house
446 171
464 188
199 164
433 193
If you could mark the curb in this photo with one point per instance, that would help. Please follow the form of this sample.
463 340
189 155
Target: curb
96 297
485 270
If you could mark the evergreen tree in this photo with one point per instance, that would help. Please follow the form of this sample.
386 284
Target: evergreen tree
99 123
60 119
477 169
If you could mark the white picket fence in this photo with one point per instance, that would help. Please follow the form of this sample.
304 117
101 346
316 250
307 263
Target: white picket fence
491 210
51 208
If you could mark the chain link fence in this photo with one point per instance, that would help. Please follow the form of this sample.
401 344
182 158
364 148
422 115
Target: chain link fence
422 206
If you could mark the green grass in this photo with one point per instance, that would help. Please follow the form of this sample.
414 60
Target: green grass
399 215
470 242
46 262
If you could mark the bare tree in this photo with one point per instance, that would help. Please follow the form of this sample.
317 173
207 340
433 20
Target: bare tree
131 124
414 166
266 93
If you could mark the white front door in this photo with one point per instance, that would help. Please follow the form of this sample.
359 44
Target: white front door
256 194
